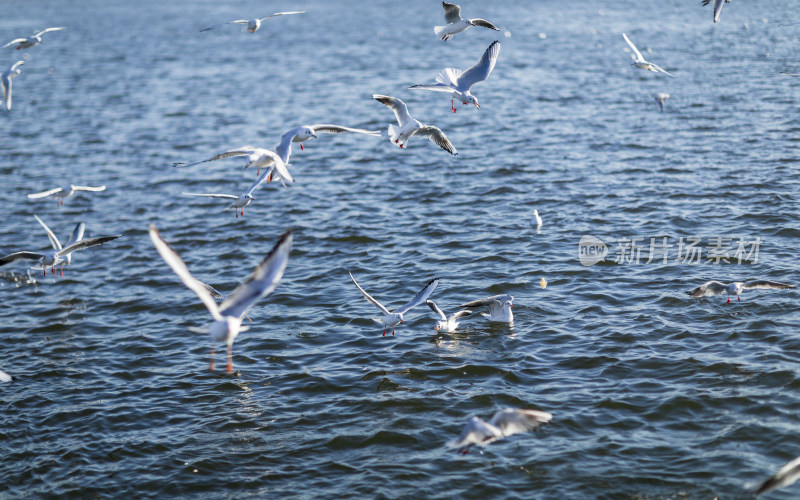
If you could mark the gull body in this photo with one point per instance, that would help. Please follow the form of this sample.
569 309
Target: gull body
31 41
788 474
458 83
239 202
5 81
639 61
447 324
717 7
504 423
61 193
256 157
712 288
455 24
394 318
59 254
408 126
661 98
499 308
252 24
229 314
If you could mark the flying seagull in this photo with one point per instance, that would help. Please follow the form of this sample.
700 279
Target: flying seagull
661 98
717 7
256 157
252 24
452 16
396 317
31 41
306 132
228 315
711 288
60 193
504 423
409 126
639 62
458 83
5 81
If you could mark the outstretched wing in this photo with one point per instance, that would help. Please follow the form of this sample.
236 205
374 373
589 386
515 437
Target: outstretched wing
436 309
480 71
419 298
44 194
284 14
438 87
368 296
53 239
77 233
263 280
788 474
243 151
487 302
658 68
213 195
484 24
764 284
20 256
396 105
48 30
709 289
14 41
638 55
88 188
452 12
326 128
238 21
174 261
512 421
436 135
80 245
462 313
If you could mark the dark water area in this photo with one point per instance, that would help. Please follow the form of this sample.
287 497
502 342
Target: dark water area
654 394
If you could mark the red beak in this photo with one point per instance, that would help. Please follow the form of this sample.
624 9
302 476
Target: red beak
477 105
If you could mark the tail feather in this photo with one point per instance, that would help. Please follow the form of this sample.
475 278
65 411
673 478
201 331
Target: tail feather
439 31
394 133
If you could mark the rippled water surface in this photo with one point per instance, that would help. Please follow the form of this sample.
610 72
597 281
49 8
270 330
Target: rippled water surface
653 394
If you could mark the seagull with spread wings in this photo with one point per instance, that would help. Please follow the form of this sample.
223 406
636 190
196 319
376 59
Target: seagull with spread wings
395 317
504 423
256 157
60 193
712 288
31 41
252 24
409 126
639 62
5 81
452 15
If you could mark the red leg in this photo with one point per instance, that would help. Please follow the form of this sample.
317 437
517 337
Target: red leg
452 106
45 270
384 332
729 301
739 298
211 364
392 331
301 146
242 211
229 369
236 211
62 270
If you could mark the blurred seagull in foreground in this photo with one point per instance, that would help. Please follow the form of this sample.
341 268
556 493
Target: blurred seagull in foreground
5 81
31 41
536 221
788 474
499 308
252 24
504 423
661 97
5 377
396 317
244 199
409 126
306 132
717 7
256 157
458 83
228 315
452 16
712 288
60 193
639 61
59 254
447 325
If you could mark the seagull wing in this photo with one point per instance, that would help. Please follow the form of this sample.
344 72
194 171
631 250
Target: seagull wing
174 261
77 233
20 256
764 284
238 21
262 282
718 8
284 14
261 178
399 107
436 309
709 289
658 68
12 42
480 71
512 421
419 298
45 194
326 128
88 188
476 431
368 296
436 135
437 87
243 151
48 30
638 55
452 12
213 195
5 83
461 314
788 474
484 24
80 245
53 239
488 302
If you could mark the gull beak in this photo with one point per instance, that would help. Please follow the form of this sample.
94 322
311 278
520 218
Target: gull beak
314 136
477 105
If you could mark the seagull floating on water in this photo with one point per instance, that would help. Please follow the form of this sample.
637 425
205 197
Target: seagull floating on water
256 157
499 308
228 315
504 423
244 199
661 97
717 7
711 288
458 83
60 193
409 126
639 62
788 474
447 325
396 317
5 81
31 41
252 24
59 254
452 16
536 221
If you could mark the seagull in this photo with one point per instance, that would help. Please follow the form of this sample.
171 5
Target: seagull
60 193
5 81
712 288
661 97
504 423
639 61
252 24
59 254
448 325
256 157
788 474
409 126
244 199
306 132
717 7
228 315
499 308
458 83
5 377
31 41
452 15
536 220
396 317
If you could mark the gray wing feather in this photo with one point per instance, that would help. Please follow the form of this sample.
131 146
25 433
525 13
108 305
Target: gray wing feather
788 474
484 24
708 289
436 135
436 309
772 285
452 12
20 256
462 313
77 233
91 242
419 298
396 105
480 71
326 128
213 195
512 421
368 296
53 239
284 14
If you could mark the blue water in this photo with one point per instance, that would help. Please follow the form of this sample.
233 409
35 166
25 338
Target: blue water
653 394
